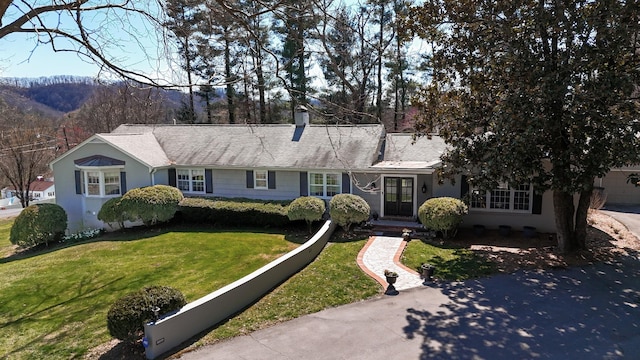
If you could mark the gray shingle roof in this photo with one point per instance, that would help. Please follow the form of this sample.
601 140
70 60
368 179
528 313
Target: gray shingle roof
256 146
401 152
143 146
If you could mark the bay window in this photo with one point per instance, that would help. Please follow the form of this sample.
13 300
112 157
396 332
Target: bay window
101 183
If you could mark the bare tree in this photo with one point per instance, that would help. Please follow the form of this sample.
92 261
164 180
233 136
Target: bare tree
27 146
121 103
96 30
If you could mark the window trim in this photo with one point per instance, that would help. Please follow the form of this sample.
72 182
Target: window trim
512 192
266 179
324 195
101 170
191 180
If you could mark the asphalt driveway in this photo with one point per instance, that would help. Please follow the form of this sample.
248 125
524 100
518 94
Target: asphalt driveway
629 215
579 313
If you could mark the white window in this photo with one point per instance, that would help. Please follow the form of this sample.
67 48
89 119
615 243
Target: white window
190 180
324 184
260 179
101 182
503 198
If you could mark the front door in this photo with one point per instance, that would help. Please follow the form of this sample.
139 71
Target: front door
398 196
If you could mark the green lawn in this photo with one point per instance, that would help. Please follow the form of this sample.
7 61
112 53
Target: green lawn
451 263
6 247
54 305
333 279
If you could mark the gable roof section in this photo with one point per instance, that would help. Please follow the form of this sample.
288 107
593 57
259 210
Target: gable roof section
402 153
143 147
263 146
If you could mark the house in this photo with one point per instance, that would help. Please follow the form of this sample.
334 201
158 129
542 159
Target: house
40 189
393 172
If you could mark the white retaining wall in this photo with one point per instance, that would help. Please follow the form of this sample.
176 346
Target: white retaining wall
195 317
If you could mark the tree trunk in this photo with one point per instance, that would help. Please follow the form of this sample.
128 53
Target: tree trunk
582 212
571 223
231 107
380 55
261 85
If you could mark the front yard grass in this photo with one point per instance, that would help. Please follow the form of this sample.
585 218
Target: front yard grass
451 263
54 304
6 247
333 279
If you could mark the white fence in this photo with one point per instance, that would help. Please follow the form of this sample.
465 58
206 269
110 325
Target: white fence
195 317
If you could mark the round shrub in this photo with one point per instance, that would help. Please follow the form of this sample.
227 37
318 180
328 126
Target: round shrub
39 224
442 214
151 204
127 316
307 208
112 212
347 209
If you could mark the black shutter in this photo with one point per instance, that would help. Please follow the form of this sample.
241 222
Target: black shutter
537 203
208 181
271 176
172 177
123 182
304 184
346 183
249 179
78 174
464 186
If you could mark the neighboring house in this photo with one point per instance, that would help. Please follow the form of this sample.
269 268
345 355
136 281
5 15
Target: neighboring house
38 190
616 189
392 172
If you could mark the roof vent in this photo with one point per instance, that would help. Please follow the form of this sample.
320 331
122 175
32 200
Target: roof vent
301 116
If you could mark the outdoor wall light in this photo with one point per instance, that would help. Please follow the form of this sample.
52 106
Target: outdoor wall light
424 188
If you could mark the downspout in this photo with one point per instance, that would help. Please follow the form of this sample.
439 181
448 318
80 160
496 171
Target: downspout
153 176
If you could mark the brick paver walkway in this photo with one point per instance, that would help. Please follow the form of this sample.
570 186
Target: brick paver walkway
383 252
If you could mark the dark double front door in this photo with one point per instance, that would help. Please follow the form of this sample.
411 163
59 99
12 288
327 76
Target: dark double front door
398 196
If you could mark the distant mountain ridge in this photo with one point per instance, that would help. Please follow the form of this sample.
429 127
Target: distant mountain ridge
58 95
50 96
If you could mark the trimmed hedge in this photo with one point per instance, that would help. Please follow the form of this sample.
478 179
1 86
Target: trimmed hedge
150 204
39 224
112 212
348 209
128 314
232 212
442 214
307 208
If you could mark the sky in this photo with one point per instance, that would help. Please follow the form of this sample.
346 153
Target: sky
129 39
22 58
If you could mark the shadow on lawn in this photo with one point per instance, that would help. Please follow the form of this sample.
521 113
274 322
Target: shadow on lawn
73 315
589 312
